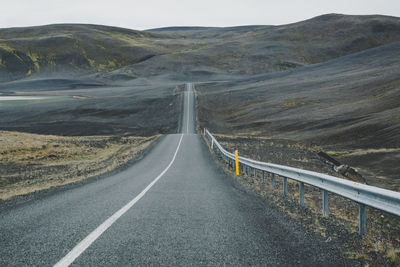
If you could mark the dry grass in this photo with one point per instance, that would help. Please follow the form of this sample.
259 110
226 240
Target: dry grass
31 162
394 255
359 152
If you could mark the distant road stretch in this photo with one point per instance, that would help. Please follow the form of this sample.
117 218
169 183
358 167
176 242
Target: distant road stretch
174 207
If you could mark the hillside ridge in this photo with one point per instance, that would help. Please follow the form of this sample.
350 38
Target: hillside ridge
251 49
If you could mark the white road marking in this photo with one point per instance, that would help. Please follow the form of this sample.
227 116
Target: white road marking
85 243
188 110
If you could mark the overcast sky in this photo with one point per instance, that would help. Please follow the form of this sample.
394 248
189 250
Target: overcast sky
146 14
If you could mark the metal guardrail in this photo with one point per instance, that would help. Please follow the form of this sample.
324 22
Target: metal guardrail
364 195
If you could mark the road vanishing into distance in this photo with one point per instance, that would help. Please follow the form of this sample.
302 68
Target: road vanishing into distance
174 207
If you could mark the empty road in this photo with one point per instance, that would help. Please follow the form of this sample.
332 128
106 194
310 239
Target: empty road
174 207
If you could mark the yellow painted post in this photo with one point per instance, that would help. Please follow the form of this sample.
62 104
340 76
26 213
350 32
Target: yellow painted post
237 162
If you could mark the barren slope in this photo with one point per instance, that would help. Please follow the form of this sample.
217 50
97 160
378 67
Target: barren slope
237 50
347 104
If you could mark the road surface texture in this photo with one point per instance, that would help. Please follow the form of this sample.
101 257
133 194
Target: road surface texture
174 207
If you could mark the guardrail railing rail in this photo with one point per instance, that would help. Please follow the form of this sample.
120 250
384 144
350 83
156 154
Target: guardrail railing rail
364 195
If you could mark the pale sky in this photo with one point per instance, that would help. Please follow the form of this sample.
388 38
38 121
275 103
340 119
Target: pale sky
146 14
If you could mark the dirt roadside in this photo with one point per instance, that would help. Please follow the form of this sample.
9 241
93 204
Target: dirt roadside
32 162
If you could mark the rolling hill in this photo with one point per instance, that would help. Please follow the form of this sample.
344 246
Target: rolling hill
349 106
71 48
245 50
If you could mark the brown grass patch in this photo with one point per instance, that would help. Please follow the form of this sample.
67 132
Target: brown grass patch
31 162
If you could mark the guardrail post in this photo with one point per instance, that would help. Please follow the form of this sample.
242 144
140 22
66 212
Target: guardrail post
272 180
284 186
325 201
212 143
255 173
362 219
263 177
301 188
236 162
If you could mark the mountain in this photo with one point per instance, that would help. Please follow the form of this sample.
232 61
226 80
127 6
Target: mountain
245 50
249 50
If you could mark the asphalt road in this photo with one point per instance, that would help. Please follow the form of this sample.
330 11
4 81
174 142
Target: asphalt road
175 207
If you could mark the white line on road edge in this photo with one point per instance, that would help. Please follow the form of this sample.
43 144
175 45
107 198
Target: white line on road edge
85 243
188 110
